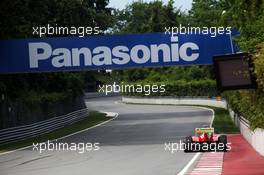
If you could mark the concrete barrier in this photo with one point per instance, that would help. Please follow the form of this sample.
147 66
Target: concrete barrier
176 101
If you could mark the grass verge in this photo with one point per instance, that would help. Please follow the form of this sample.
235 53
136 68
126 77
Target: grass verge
223 123
93 119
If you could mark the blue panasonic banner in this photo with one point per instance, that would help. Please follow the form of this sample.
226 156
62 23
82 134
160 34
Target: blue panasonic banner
109 52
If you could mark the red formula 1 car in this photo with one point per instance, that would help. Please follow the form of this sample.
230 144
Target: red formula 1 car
205 140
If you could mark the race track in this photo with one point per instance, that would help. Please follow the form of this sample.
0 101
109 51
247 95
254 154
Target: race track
131 144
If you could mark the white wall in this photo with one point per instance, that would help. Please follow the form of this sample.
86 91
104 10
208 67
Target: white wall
176 101
255 138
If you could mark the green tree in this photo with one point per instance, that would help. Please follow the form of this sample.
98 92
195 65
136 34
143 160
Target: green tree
205 13
17 18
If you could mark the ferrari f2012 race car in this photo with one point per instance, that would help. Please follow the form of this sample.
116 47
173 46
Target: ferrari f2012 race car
205 140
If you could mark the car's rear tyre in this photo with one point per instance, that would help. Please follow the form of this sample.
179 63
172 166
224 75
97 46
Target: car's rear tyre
188 144
222 140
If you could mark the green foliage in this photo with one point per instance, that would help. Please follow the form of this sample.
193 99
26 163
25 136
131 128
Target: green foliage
248 17
166 73
17 19
141 17
33 97
23 85
19 16
250 103
259 66
205 13
180 88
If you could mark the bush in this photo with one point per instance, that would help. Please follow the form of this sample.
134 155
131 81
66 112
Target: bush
259 66
180 88
250 103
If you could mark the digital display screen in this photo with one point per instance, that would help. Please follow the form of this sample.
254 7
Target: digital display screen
234 72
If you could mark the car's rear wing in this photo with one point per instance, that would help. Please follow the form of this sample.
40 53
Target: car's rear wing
204 130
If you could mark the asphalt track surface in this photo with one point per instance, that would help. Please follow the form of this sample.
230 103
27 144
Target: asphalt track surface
131 144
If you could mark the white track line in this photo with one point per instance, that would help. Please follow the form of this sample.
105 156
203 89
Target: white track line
209 163
186 168
108 114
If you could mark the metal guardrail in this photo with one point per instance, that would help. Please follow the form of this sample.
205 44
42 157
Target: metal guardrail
243 120
238 118
26 131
